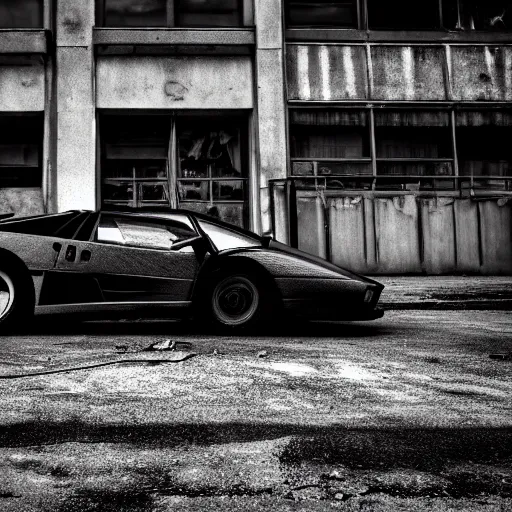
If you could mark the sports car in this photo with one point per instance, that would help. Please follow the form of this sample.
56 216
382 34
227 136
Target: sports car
171 264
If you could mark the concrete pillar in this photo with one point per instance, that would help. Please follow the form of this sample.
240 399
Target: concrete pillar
271 126
76 133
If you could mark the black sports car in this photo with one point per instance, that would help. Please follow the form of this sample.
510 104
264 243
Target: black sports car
177 263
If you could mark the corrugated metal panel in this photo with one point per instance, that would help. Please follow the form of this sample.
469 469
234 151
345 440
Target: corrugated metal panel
438 235
467 235
496 236
280 214
311 226
408 73
326 72
347 231
396 226
481 73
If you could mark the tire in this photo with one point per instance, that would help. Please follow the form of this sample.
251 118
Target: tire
238 302
16 299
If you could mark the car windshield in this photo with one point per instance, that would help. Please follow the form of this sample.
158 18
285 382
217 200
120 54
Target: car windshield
225 238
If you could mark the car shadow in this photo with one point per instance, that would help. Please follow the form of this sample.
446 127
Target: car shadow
70 326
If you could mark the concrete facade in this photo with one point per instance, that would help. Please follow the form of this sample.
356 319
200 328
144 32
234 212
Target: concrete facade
76 72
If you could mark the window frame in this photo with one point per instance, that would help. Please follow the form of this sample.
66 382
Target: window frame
159 221
364 25
171 17
460 182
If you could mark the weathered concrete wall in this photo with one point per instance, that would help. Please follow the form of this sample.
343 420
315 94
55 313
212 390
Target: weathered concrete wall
21 201
22 87
154 82
76 135
270 95
326 72
408 234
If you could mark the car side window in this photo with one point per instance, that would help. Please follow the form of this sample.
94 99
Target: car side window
141 232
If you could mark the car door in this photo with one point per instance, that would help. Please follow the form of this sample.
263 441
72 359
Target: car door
131 259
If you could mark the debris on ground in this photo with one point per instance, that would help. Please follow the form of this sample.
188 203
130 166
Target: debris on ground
502 357
262 353
162 345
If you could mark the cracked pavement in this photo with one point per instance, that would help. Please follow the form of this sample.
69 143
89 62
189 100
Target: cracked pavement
405 413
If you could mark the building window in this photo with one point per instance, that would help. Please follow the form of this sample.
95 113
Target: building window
20 151
171 13
21 13
477 14
319 13
194 162
413 145
483 147
135 160
331 143
403 14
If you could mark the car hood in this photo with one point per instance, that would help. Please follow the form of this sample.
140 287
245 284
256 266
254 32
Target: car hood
278 246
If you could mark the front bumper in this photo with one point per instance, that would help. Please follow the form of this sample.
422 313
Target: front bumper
313 310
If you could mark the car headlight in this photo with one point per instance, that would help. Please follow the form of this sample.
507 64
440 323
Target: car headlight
368 296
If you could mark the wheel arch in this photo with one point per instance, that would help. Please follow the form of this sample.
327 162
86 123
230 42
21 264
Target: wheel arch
10 261
232 263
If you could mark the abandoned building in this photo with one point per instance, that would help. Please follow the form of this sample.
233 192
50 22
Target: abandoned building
375 134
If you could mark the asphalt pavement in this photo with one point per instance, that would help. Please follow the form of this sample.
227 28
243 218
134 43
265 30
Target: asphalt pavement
405 413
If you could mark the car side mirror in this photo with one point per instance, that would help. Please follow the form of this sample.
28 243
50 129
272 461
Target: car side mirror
186 243
266 240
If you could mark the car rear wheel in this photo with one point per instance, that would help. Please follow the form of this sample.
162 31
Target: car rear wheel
16 300
237 302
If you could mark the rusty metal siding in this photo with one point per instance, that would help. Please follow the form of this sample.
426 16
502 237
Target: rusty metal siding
467 235
481 73
326 72
311 226
398 242
438 235
280 211
347 233
408 73
496 236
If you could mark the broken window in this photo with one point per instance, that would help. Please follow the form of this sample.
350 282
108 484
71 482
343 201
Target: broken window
321 13
411 145
477 14
403 14
195 162
212 172
483 146
170 13
21 138
21 13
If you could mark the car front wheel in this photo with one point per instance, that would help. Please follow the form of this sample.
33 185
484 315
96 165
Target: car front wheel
237 302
